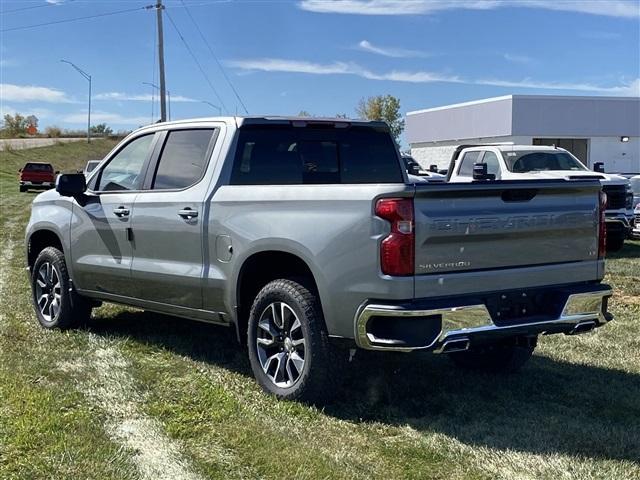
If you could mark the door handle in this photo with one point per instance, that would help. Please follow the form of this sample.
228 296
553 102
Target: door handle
121 212
188 213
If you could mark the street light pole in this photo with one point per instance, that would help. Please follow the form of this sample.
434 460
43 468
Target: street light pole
88 78
214 106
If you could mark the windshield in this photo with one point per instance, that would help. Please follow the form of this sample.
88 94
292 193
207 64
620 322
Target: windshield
635 185
535 160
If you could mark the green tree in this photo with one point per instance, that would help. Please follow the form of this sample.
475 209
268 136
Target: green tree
304 113
15 125
101 129
385 108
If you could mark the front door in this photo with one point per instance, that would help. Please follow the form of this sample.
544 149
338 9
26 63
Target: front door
101 246
168 258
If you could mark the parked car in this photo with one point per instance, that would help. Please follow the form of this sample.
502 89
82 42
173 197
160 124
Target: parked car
37 176
635 188
90 166
306 237
527 162
417 174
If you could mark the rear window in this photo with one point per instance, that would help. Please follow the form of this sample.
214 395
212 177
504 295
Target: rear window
286 155
38 167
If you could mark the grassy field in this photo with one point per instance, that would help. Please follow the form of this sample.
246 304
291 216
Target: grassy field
138 395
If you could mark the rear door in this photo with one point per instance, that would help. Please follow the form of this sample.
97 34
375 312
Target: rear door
495 225
169 219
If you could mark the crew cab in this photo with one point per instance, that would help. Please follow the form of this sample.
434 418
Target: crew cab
527 162
36 175
306 237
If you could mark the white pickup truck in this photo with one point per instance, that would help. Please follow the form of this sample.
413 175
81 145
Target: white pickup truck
528 162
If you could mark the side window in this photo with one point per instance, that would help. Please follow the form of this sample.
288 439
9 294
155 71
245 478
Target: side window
183 159
466 165
267 156
124 171
493 166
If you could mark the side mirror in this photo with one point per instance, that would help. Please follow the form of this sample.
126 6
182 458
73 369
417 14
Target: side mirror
71 184
56 172
433 168
598 167
20 171
414 169
480 172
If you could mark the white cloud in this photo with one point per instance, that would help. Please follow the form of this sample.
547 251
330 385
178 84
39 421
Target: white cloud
336 68
611 8
145 97
106 117
625 89
521 59
599 35
367 46
342 68
29 93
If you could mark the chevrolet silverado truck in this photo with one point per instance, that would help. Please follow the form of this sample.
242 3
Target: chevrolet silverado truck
307 238
36 175
513 162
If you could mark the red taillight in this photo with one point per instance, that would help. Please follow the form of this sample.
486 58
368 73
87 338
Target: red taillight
602 226
397 249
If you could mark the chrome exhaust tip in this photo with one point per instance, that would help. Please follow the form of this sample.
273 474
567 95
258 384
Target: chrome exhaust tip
457 345
583 327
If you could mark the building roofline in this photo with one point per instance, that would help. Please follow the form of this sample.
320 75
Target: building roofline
514 97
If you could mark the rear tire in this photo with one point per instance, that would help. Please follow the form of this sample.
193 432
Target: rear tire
289 348
55 303
23 189
505 357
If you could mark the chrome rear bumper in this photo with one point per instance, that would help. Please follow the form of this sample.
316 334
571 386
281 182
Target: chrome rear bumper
461 325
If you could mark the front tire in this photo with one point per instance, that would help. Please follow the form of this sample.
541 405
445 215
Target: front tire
289 349
55 303
506 357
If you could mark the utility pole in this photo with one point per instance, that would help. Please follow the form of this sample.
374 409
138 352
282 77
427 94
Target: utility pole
163 104
88 78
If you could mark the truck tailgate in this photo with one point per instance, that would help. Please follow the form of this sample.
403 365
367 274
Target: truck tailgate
505 224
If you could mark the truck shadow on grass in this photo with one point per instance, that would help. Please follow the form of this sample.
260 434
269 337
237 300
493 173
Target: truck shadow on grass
550 407
630 250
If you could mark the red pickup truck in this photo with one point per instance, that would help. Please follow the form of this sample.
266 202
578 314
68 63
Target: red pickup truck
37 175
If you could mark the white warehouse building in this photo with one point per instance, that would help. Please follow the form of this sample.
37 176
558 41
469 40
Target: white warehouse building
594 129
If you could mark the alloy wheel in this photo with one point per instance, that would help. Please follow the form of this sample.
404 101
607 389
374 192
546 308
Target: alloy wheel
48 291
281 344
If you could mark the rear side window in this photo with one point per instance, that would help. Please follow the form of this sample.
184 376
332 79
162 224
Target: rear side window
466 166
289 156
183 159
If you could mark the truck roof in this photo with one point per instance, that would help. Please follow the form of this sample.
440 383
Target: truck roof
273 119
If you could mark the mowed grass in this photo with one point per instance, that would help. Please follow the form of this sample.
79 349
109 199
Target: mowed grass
573 411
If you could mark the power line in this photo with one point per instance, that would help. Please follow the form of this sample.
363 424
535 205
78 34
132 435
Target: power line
68 20
4 12
214 57
204 74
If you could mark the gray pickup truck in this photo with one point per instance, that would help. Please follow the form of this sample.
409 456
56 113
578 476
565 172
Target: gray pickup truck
307 238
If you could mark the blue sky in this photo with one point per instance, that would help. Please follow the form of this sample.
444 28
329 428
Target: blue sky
315 55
